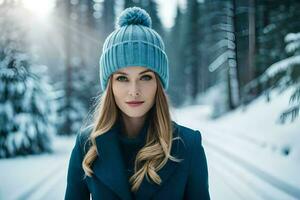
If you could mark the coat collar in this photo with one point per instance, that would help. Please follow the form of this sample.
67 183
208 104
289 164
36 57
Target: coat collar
110 169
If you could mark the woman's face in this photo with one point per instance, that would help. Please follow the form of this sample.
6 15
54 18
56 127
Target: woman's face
134 89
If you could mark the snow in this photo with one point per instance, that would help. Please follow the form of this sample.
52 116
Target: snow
252 143
7 109
269 28
282 65
293 40
21 112
220 60
6 71
244 148
293 44
263 120
34 177
290 37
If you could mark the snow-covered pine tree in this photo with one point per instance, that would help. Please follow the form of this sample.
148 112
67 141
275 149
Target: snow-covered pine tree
284 74
293 47
26 112
78 106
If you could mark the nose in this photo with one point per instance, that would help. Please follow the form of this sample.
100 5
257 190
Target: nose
134 90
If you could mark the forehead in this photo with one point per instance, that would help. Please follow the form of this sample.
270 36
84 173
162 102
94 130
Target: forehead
133 70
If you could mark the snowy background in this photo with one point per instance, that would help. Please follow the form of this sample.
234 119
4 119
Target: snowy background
234 76
245 154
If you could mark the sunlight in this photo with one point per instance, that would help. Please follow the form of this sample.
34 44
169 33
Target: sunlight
38 7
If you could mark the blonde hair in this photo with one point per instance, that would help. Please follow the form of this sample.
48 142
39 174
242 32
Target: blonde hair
156 152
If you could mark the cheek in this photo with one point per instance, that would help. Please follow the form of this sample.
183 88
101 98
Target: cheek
150 91
117 91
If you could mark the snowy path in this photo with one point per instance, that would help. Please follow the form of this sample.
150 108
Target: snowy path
267 180
36 177
240 165
230 175
43 185
44 177
248 181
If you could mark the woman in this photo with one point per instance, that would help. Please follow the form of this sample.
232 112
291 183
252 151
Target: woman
133 150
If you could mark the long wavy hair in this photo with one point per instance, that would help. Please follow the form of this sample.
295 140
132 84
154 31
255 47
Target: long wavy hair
156 151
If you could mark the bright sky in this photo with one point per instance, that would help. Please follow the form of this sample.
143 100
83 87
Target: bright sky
167 10
41 8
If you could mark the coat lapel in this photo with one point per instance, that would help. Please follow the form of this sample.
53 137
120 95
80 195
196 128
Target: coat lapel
109 166
148 189
110 169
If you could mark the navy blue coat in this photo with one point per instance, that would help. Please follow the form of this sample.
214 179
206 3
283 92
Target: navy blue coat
187 179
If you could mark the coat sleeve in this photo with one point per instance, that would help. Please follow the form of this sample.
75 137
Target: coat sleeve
76 185
197 183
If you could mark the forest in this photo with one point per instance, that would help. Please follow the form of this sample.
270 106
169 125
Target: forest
223 54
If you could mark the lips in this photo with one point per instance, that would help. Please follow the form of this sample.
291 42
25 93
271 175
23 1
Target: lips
134 103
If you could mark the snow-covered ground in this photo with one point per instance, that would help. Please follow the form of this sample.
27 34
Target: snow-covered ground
38 176
250 156
248 149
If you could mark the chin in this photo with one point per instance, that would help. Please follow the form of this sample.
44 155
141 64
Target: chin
135 114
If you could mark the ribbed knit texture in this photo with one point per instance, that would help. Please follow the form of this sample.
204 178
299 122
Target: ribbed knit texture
134 43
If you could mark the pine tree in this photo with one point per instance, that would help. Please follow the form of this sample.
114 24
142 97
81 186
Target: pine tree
108 17
82 49
215 54
273 21
285 74
293 71
26 108
191 47
174 46
276 19
83 86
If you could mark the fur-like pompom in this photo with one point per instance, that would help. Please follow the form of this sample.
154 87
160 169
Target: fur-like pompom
134 15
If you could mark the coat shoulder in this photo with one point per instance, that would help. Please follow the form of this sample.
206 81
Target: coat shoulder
186 140
186 133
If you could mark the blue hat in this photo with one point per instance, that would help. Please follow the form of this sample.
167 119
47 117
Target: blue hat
134 43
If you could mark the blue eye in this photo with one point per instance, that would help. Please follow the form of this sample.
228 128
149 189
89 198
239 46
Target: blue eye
147 77
121 78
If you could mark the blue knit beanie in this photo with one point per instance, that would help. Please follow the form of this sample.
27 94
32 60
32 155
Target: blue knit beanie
134 43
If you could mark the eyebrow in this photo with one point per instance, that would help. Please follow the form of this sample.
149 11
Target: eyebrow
148 70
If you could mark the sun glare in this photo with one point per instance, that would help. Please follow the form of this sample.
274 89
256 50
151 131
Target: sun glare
40 8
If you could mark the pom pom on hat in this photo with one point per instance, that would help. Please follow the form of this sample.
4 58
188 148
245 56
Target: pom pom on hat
134 15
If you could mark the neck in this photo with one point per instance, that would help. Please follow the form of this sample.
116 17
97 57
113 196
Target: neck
132 125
